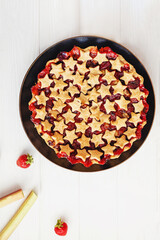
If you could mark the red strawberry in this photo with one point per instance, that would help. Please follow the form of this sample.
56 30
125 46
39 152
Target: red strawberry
25 160
61 228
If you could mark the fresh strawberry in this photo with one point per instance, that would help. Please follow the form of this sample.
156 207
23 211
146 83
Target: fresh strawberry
61 228
25 160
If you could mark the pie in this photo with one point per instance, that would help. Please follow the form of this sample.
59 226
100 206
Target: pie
89 105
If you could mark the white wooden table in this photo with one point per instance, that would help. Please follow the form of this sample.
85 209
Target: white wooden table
117 204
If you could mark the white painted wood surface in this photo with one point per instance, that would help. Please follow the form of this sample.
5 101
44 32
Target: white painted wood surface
118 204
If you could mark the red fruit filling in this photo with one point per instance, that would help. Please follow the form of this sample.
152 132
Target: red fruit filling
105 65
93 52
36 89
134 84
75 52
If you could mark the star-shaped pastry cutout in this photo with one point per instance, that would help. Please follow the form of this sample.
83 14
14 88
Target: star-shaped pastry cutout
122 102
120 122
93 95
66 149
83 98
69 116
85 113
101 57
109 76
75 105
60 84
108 149
95 154
104 90
64 95
58 138
95 71
54 93
58 105
136 93
85 87
95 111
46 137
93 80
118 88
78 79
95 125
56 69
82 68
70 63
138 107
109 135
41 99
131 132
121 142
41 113
135 118
83 154
46 125
46 81
73 90
67 74
84 141
109 106
104 118
60 126
81 127
53 113
97 139
39 128
117 64
127 77
84 56
33 99
70 136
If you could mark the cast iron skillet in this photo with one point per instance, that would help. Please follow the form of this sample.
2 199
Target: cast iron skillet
31 78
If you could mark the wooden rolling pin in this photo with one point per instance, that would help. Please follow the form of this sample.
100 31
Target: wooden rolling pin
19 215
12 197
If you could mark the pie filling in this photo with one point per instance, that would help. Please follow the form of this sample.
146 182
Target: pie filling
89 105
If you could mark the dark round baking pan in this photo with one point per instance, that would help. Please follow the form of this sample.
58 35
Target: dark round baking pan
31 78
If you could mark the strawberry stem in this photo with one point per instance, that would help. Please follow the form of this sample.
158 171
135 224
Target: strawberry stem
29 159
59 223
